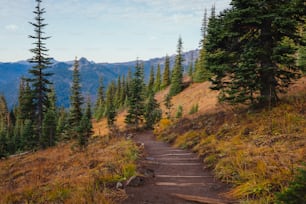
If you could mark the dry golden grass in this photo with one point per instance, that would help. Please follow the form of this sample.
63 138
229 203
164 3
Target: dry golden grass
257 152
63 174
196 93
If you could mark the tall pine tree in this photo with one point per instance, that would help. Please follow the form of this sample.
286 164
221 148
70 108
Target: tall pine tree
201 73
100 102
41 62
76 100
157 84
166 75
177 72
136 98
110 110
151 81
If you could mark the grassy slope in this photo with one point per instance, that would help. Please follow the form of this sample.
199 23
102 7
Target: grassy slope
257 152
64 174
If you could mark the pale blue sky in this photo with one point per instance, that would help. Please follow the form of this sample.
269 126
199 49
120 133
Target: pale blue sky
104 30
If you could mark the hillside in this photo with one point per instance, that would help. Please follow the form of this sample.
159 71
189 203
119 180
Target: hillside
258 152
63 174
89 70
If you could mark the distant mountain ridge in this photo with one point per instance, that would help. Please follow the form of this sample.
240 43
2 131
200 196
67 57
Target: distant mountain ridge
10 74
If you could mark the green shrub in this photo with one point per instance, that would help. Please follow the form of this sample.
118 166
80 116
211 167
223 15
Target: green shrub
194 109
179 112
296 192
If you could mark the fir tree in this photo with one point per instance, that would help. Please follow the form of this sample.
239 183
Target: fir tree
100 102
49 122
85 127
151 81
201 73
76 99
136 98
3 145
166 75
157 84
110 111
302 50
62 125
40 61
4 115
177 73
152 112
247 50
118 90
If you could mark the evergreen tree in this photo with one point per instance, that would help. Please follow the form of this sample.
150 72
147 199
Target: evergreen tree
152 112
85 127
50 122
62 125
118 90
157 84
177 73
247 50
110 111
28 138
4 115
302 50
26 106
201 73
151 81
76 100
100 102
25 114
166 75
40 61
136 98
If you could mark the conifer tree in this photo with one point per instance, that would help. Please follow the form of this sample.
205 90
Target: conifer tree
157 84
3 145
40 77
76 99
118 90
248 53
100 102
177 73
4 115
136 98
62 125
302 50
85 127
166 75
26 107
201 72
152 112
110 111
49 122
151 81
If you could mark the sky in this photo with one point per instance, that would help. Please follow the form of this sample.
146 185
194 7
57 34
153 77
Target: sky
104 30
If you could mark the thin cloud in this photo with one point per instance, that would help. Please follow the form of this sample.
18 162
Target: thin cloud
11 27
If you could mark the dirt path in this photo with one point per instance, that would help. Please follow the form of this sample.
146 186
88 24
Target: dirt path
176 171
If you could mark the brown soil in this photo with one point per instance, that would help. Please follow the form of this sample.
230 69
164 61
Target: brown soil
176 171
